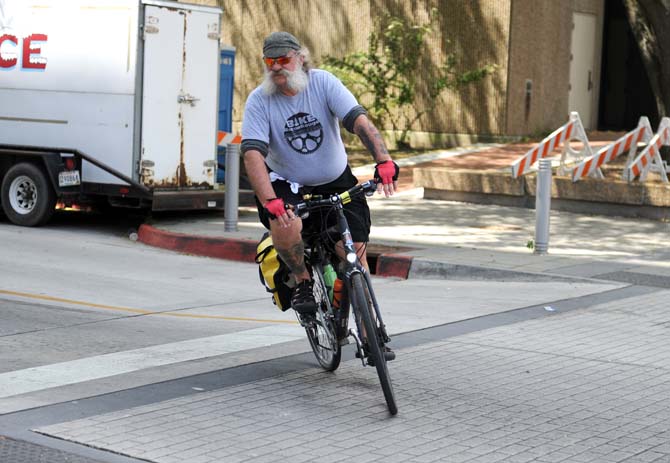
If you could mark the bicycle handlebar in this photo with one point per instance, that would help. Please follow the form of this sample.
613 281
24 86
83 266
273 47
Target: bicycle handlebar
309 204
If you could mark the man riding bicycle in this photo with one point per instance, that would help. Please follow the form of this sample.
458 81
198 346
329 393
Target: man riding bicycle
291 144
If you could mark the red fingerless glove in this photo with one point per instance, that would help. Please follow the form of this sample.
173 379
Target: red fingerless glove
387 172
275 207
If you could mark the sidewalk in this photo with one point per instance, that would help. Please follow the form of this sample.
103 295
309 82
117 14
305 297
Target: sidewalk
416 238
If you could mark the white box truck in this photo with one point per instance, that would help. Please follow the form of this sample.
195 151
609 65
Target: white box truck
112 101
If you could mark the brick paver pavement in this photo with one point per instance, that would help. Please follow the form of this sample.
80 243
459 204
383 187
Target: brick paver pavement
590 385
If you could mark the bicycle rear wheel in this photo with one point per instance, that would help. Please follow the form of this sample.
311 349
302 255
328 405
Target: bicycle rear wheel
362 306
321 331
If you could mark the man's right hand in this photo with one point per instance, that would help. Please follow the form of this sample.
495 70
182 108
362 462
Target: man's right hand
277 211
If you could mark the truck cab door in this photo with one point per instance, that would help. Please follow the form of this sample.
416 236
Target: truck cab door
179 97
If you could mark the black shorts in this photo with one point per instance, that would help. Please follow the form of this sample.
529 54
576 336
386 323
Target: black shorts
356 212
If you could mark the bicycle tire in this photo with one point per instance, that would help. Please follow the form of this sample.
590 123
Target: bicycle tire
321 333
362 307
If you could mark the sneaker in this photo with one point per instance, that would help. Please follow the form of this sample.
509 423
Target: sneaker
302 299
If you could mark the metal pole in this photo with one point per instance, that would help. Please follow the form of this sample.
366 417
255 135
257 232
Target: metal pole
232 186
542 206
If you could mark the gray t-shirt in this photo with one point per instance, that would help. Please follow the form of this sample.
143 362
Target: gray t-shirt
302 131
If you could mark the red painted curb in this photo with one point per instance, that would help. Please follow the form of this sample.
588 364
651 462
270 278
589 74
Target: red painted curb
388 265
393 265
221 248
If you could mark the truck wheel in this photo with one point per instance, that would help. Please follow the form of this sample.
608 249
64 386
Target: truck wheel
27 196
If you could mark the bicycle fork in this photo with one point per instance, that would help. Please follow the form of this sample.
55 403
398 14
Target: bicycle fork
378 314
357 319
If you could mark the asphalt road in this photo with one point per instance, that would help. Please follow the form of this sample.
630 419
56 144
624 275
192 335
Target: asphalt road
93 321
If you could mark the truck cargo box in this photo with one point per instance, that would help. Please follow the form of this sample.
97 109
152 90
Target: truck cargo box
132 84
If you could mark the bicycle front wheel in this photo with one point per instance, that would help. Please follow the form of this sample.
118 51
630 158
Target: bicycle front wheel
363 308
321 332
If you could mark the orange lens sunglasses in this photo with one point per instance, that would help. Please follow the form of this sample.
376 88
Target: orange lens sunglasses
282 61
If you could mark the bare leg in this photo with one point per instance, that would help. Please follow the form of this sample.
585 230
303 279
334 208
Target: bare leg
288 243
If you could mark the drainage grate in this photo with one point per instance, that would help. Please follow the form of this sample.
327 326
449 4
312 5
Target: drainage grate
18 451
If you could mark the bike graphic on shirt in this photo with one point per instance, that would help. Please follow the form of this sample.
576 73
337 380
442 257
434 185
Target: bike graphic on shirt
303 132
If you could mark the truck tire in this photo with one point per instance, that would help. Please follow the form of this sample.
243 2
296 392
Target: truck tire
27 196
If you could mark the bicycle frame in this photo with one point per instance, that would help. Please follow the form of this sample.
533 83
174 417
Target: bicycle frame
370 336
352 263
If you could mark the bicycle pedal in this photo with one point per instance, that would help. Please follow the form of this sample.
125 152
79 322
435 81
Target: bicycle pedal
307 321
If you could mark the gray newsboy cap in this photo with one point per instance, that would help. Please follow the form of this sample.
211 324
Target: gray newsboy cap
279 44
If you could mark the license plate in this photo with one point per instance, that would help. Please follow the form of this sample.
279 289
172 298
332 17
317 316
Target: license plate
68 178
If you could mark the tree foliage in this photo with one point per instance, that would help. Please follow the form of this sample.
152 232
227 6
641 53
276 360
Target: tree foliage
387 76
650 23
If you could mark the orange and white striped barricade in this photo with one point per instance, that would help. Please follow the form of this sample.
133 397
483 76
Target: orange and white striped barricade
627 143
557 138
570 156
226 138
649 160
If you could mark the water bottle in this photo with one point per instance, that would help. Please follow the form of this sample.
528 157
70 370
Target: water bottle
337 293
340 308
329 277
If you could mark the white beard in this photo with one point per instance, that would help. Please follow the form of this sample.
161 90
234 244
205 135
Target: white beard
295 80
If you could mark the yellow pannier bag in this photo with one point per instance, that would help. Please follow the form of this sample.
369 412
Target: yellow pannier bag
274 273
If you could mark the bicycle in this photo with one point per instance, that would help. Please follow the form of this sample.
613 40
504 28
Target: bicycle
328 330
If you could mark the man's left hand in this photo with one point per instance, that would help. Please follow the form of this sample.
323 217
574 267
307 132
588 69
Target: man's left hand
386 174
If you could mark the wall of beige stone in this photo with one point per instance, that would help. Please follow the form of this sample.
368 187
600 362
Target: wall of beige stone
477 31
519 36
324 26
537 27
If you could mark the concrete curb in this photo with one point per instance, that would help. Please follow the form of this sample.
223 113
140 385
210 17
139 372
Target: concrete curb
221 248
243 250
386 261
604 197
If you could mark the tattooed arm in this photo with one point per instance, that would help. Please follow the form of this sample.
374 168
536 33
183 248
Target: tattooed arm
371 138
374 142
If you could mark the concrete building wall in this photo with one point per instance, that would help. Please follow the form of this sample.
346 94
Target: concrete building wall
525 39
597 8
476 32
539 57
540 54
